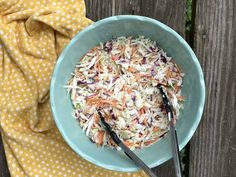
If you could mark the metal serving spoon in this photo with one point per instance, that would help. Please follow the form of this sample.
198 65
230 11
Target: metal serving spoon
126 150
174 140
173 134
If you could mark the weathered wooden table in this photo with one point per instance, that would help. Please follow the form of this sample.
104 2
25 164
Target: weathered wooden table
212 34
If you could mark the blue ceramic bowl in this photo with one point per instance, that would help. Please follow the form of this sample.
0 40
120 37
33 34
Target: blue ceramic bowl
101 31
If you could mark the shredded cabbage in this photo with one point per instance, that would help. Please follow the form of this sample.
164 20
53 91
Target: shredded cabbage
120 77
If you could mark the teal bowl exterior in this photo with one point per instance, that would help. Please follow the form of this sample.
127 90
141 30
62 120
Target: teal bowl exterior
101 31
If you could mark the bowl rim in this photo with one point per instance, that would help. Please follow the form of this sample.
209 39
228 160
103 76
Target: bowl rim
117 18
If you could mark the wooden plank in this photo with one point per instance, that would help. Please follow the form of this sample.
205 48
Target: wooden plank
98 9
4 172
170 12
124 7
213 148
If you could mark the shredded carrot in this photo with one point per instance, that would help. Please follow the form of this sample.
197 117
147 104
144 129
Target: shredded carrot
100 137
101 102
123 101
114 57
142 111
180 98
132 70
177 88
128 143
127 89
145 122
96 118
95 100
138 76
155 129
134 51
97 64
150 142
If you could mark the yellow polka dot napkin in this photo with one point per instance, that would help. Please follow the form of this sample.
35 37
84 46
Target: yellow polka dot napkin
32 35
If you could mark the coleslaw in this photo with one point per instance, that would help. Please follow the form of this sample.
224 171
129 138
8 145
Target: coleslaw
120 78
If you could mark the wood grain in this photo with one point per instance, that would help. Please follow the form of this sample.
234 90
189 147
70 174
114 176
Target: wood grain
170 12
124 7
99 9
4 172
213 148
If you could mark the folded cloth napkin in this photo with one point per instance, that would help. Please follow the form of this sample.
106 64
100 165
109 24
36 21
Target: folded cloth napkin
32 35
